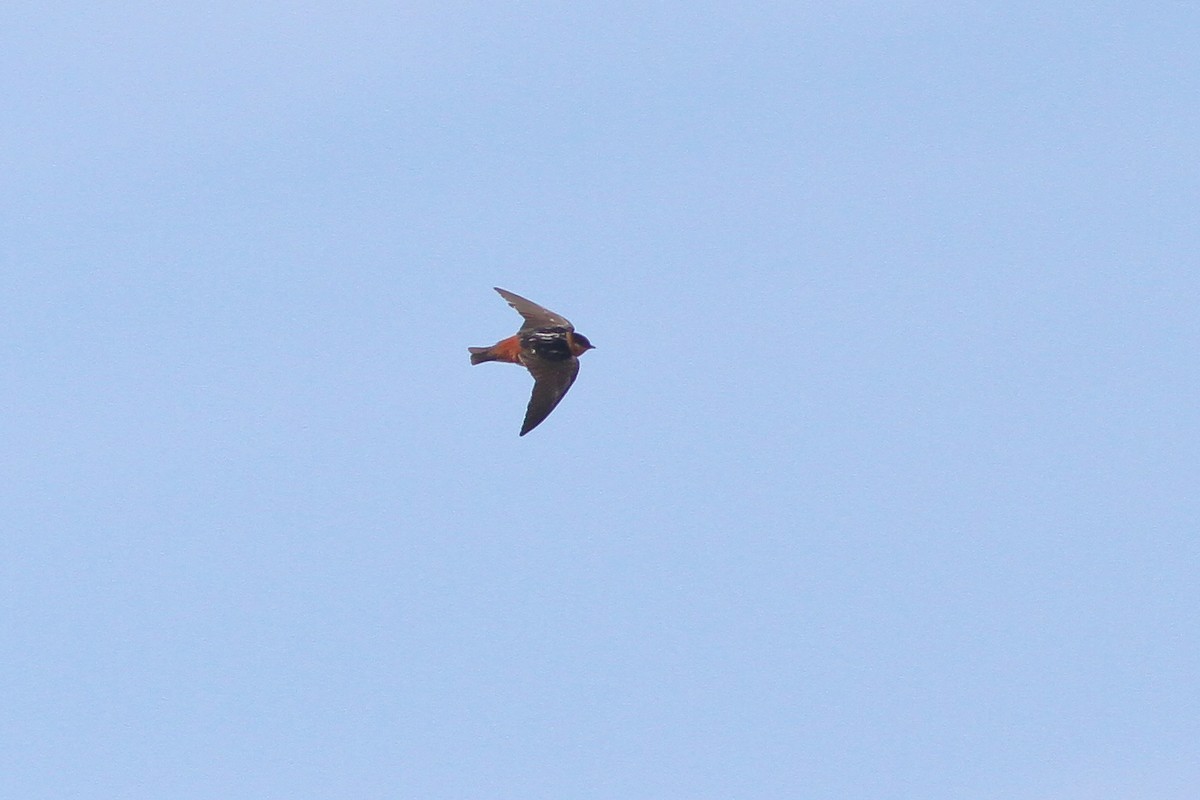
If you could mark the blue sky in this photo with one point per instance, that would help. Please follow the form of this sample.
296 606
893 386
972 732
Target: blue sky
882 481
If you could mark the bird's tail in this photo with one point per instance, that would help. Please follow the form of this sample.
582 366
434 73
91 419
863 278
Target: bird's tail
507 350
481 354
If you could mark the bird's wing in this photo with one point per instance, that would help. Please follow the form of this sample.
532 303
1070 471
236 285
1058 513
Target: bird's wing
535 316
551 380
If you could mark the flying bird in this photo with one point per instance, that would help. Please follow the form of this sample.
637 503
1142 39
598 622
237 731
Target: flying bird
546 345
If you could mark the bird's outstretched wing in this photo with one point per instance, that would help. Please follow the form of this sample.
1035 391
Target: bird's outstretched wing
551 380
535 316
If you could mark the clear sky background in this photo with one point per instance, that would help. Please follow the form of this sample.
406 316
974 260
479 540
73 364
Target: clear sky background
883 482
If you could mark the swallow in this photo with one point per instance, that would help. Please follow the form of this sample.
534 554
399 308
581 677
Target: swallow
546 345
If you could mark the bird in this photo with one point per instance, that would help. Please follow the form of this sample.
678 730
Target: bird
546 345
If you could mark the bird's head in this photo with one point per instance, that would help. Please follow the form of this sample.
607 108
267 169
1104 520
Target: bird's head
580 344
